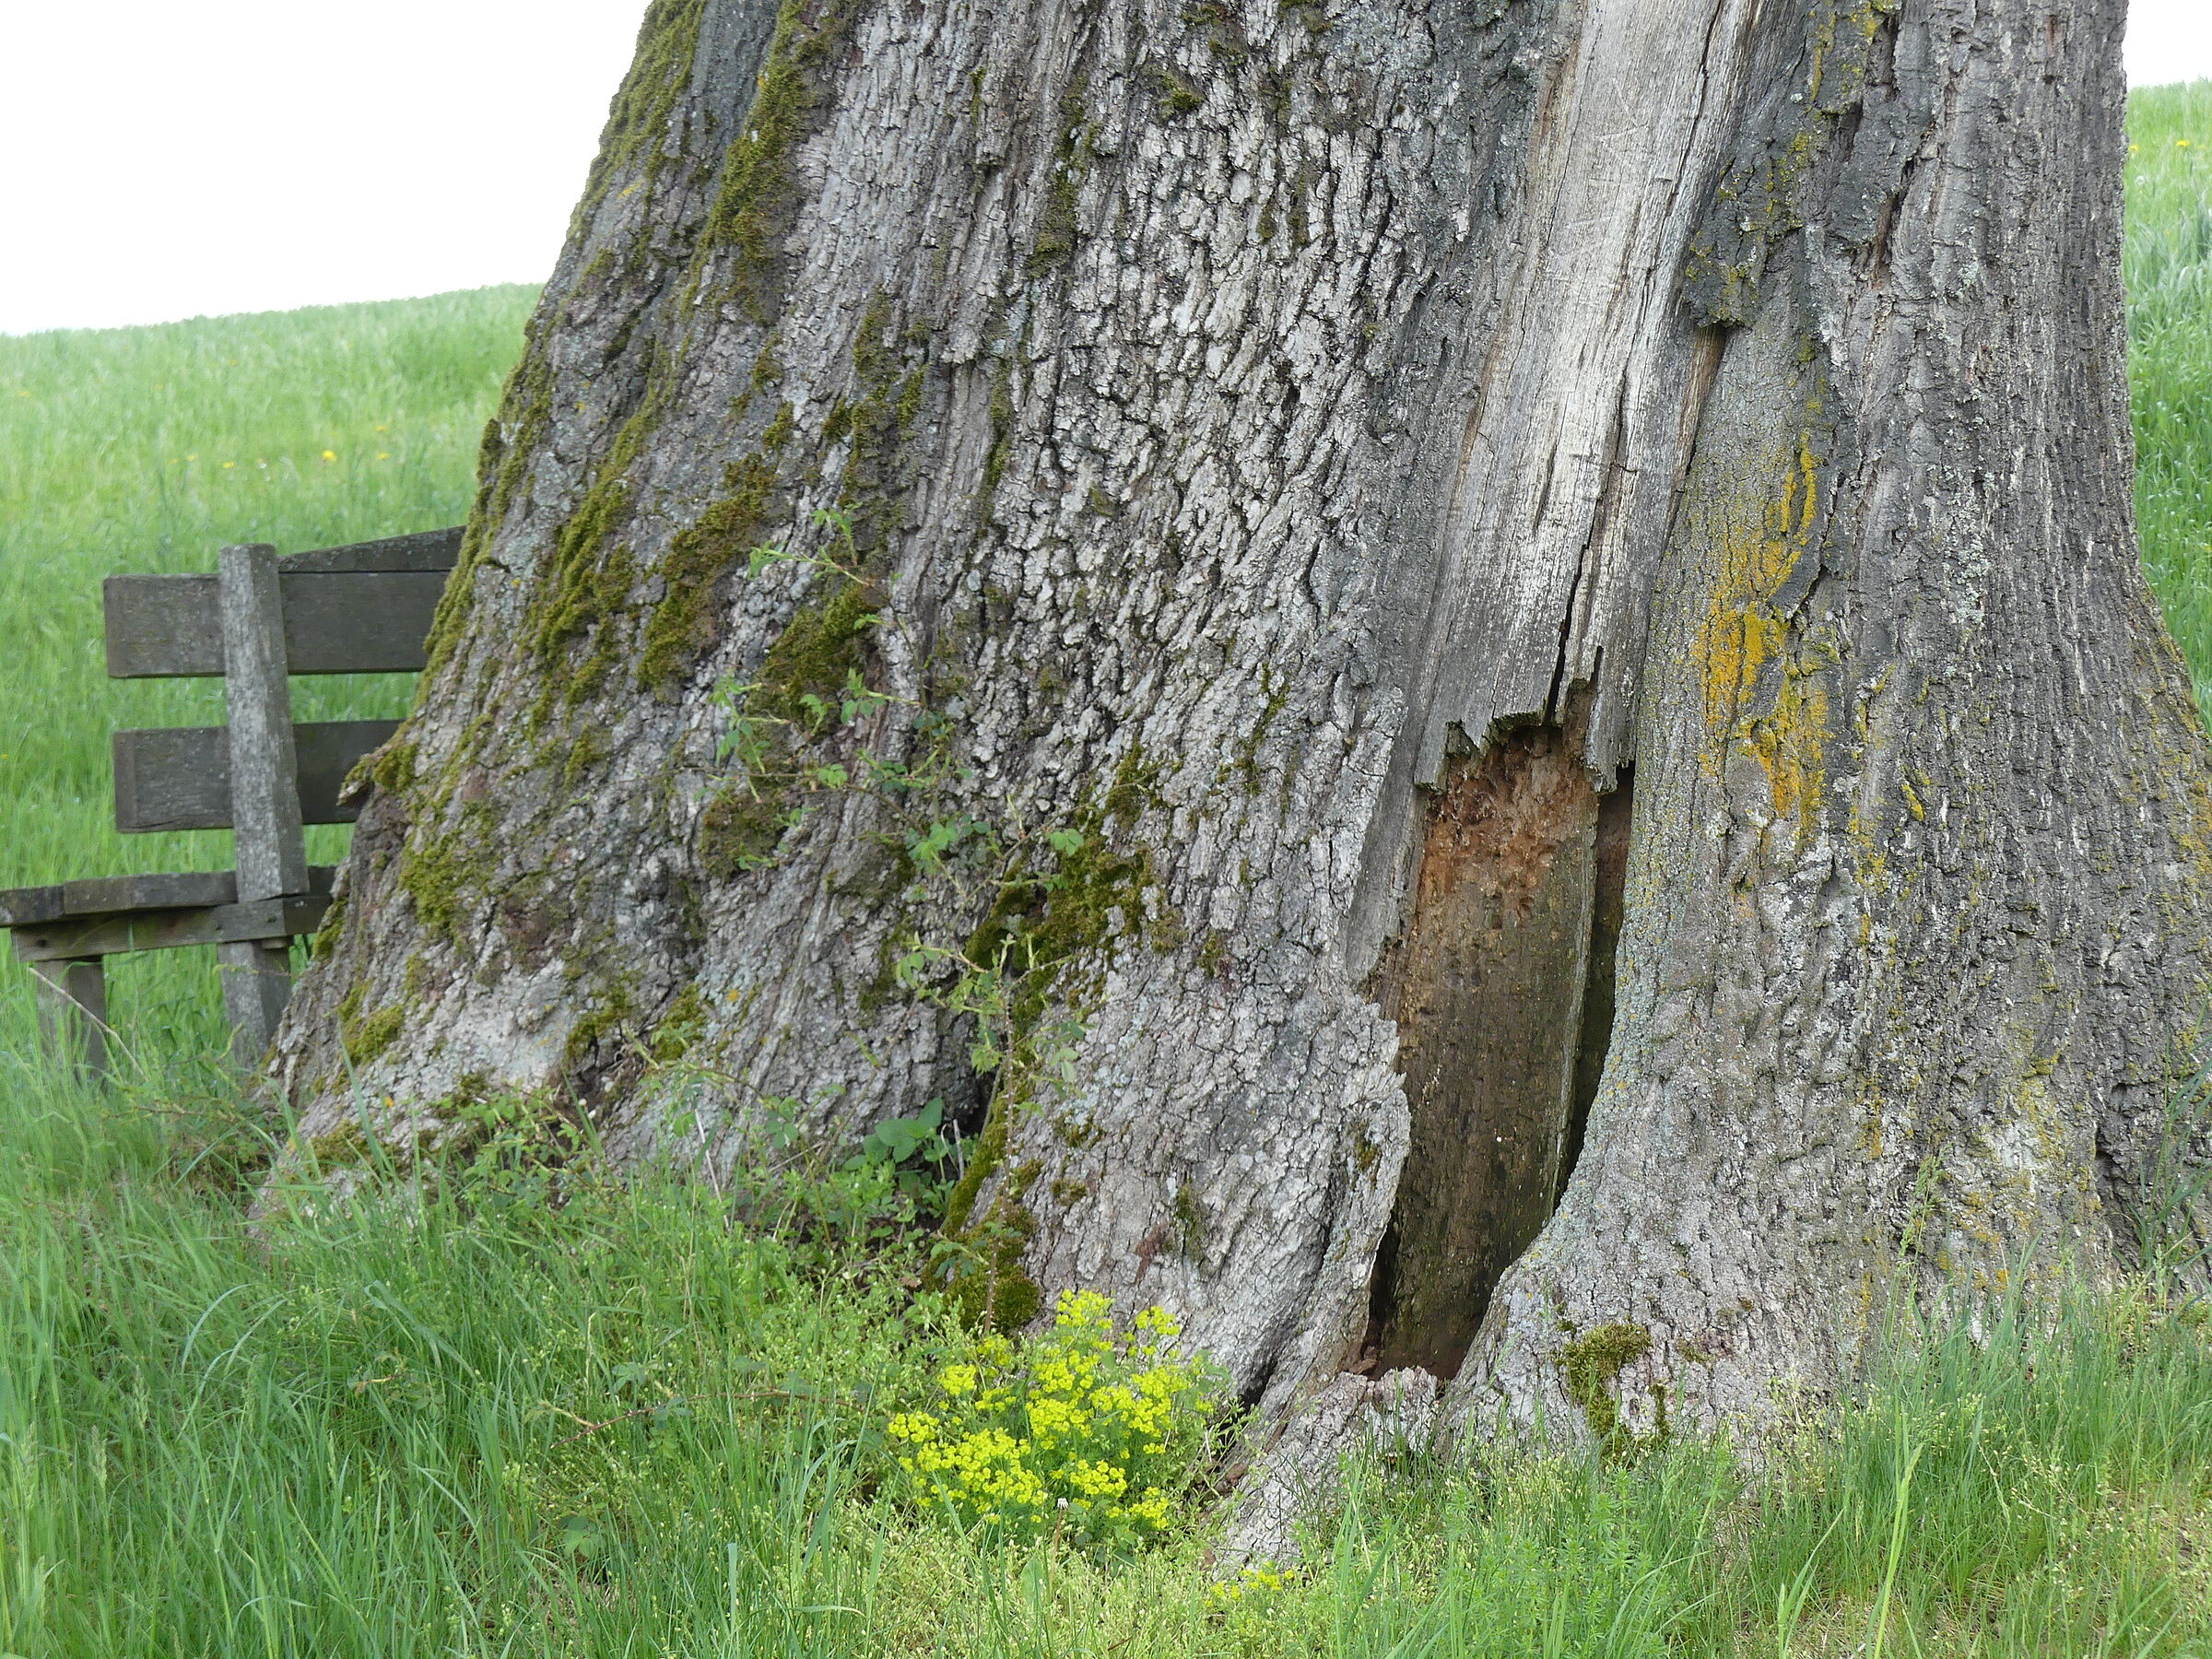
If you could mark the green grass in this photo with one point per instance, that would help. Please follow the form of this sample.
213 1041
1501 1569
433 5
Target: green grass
505 1411
2169 343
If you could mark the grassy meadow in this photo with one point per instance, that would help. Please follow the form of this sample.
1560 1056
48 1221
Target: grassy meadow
526 1411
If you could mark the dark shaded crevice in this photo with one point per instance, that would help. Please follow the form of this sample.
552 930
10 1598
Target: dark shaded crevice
1608 909
1502 989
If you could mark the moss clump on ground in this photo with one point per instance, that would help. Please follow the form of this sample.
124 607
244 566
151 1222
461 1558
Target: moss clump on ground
1590 1364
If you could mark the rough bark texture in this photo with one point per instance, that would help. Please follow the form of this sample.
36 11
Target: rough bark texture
1254 421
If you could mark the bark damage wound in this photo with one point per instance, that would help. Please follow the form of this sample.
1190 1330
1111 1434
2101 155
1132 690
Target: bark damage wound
1510 922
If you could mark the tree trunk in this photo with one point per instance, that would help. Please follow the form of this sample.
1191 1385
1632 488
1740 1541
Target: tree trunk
1255 481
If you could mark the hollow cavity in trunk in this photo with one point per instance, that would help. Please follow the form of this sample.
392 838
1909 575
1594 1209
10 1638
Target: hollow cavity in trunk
1502 989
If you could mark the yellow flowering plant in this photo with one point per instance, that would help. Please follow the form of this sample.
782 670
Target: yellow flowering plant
1081 1431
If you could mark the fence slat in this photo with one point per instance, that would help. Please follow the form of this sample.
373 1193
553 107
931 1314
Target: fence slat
116 895
335 622
85 937
433 550
178 777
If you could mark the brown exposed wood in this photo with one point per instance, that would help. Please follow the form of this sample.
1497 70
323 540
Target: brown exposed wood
178 777
1485 988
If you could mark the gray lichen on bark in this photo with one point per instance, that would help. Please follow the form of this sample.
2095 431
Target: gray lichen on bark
1244 416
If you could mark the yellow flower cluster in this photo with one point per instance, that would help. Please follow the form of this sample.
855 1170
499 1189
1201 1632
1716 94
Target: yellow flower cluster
1080 1431
1259 1578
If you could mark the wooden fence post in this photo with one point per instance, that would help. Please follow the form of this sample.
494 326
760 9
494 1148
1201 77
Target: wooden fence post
73 1011
265 791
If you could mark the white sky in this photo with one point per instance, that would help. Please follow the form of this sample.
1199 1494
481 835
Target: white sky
165 159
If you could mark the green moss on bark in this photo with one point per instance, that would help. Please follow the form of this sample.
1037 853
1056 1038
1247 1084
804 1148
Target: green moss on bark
1002 438
1589 1366
756 200
365 1036
345 1147
1760 197
502 458
333 929
1044 923
983 1164
586 754
441 869
683 625
1056 226
637 121
681 1026
991 1285
738 832
1178 95
614 1012
814 656
887 373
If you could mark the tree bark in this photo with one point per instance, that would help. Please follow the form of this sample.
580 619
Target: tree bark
1285 462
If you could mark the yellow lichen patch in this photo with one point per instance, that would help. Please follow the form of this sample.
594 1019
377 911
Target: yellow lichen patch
1791 743
1765 687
